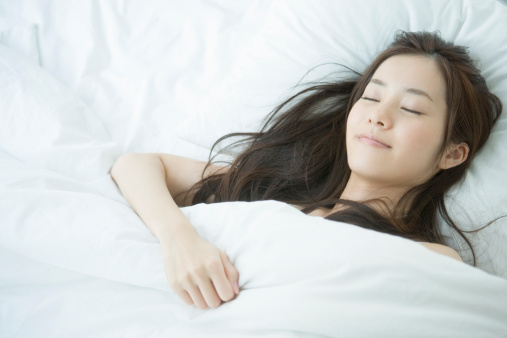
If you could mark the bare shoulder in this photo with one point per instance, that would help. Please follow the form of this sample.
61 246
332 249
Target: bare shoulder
443 250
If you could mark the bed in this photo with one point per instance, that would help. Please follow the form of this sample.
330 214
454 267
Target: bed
82 82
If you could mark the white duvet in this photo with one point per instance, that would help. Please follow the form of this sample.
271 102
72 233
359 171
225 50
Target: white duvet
79 264
76 261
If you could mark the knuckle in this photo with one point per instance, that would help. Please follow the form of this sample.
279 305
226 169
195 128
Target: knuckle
227 297
234 274
183 280
201 306
213 263
193 272
215 303
187 300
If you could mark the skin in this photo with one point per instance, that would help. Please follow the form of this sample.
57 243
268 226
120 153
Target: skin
154 184
198 272
395 131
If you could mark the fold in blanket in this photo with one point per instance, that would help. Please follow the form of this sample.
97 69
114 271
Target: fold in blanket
298 273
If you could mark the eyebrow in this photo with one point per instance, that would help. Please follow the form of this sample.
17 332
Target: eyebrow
407 90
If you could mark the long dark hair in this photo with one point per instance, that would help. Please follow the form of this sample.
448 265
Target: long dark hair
299 156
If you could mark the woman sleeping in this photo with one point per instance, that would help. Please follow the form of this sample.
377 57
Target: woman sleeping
378 150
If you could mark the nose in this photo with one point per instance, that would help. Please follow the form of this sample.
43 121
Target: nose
376 121
380 116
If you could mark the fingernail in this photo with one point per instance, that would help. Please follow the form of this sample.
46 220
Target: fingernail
236 288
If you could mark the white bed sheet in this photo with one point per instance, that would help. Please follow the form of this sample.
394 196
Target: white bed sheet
170 77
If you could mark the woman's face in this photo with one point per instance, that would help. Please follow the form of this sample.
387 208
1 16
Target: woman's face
395 131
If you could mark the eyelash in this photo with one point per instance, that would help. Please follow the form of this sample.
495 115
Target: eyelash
409 110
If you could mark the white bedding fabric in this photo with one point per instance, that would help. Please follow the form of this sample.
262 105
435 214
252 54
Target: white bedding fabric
90 268
76 261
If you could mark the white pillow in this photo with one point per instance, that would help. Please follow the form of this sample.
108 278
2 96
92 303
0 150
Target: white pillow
299 35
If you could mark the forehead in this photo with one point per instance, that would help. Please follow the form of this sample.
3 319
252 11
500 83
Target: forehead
413 71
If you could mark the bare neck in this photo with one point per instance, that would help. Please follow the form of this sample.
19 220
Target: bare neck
360 190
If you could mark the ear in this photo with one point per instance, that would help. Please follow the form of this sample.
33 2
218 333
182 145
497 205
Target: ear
454 155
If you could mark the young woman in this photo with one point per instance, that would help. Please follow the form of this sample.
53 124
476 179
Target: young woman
379 150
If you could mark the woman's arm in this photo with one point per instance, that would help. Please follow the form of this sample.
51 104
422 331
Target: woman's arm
197 271
149 182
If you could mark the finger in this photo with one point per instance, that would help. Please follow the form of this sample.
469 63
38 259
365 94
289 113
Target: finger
185 297
221 284
197 298
231 272
209 293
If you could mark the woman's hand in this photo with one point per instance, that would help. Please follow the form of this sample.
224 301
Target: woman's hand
198 272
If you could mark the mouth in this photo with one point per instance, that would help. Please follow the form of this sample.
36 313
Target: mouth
372 141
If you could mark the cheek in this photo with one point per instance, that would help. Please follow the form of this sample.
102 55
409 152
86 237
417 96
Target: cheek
423 142
352 121
352 148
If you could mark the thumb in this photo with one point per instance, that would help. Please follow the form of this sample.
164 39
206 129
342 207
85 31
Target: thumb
231 272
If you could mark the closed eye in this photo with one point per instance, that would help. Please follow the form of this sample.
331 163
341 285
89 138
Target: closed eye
412 111
369 99
406 109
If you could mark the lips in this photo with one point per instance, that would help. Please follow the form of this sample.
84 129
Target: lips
373 141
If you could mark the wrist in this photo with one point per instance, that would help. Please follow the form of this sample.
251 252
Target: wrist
177 231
